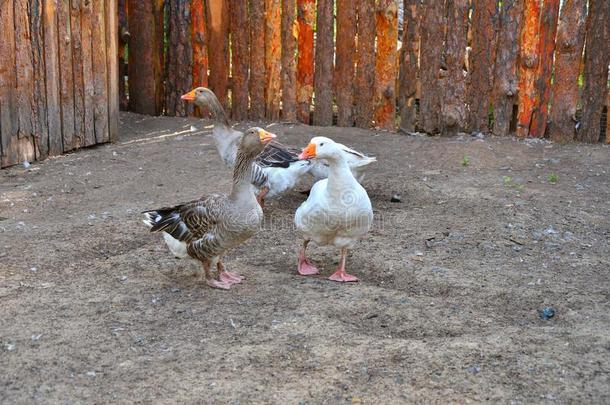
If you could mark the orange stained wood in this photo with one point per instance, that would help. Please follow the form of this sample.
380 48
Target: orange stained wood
199 38
386 67
528 70
273 58
306 12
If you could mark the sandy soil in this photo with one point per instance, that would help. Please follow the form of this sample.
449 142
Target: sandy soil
93 308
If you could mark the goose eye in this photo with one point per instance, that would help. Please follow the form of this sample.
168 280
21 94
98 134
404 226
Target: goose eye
322 144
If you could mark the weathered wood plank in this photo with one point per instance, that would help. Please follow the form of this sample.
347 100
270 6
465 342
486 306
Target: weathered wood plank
306 12
124 35
112 42
178 62
506 81
597 58
66 74
273 58
51 55
568 60
24 69
386 68
240 43
323 73
528 70
608 118
146 56
218 32
430 63
548 31
257 59
289 64
8 114
345 60
39 117
199 36
409 71
365 60
88 90
453 108
482 55
100 73
77 69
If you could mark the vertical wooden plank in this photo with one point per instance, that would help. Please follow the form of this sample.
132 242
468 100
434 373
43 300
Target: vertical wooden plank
482 55
112 42
365 64
66 75
8 114
386 68
178 62
548 31
597 58
100 74
305 62
345 59
88 89
124 35
568 59
530 58
430 64
323 74
146 56
273 51
506 81
51 54
409 72
199 39
240 43
257 59
77 69
218 26
24 69
289 66
453 108
39 118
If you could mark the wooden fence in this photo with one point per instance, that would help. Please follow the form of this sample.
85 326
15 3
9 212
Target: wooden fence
58 77
511 66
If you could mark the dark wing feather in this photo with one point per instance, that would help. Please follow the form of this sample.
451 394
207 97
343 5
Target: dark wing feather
277 155
184 222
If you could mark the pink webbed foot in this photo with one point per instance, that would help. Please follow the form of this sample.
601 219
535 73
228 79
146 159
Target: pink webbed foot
230 278
218 284
306 269
342 277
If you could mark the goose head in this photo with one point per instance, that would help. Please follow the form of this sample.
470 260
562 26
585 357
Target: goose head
254 141
199 96
321 147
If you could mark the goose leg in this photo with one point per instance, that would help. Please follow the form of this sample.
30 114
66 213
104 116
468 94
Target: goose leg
261 196
340 275
211 281
305 268
227 276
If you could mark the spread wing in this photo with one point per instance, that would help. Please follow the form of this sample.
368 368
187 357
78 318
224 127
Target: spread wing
277 155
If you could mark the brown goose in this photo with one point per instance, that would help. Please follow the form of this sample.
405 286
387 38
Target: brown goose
208 227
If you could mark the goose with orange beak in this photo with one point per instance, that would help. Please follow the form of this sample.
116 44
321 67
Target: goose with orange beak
205 229
337 212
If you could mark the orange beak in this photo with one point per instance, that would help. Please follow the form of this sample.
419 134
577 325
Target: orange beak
309 152
190 96
265 136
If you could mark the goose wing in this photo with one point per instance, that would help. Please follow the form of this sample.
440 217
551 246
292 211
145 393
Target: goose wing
277 155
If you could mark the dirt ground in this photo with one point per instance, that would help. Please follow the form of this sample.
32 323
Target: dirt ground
93 308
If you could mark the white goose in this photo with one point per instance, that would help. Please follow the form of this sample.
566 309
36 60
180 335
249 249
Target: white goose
338 210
